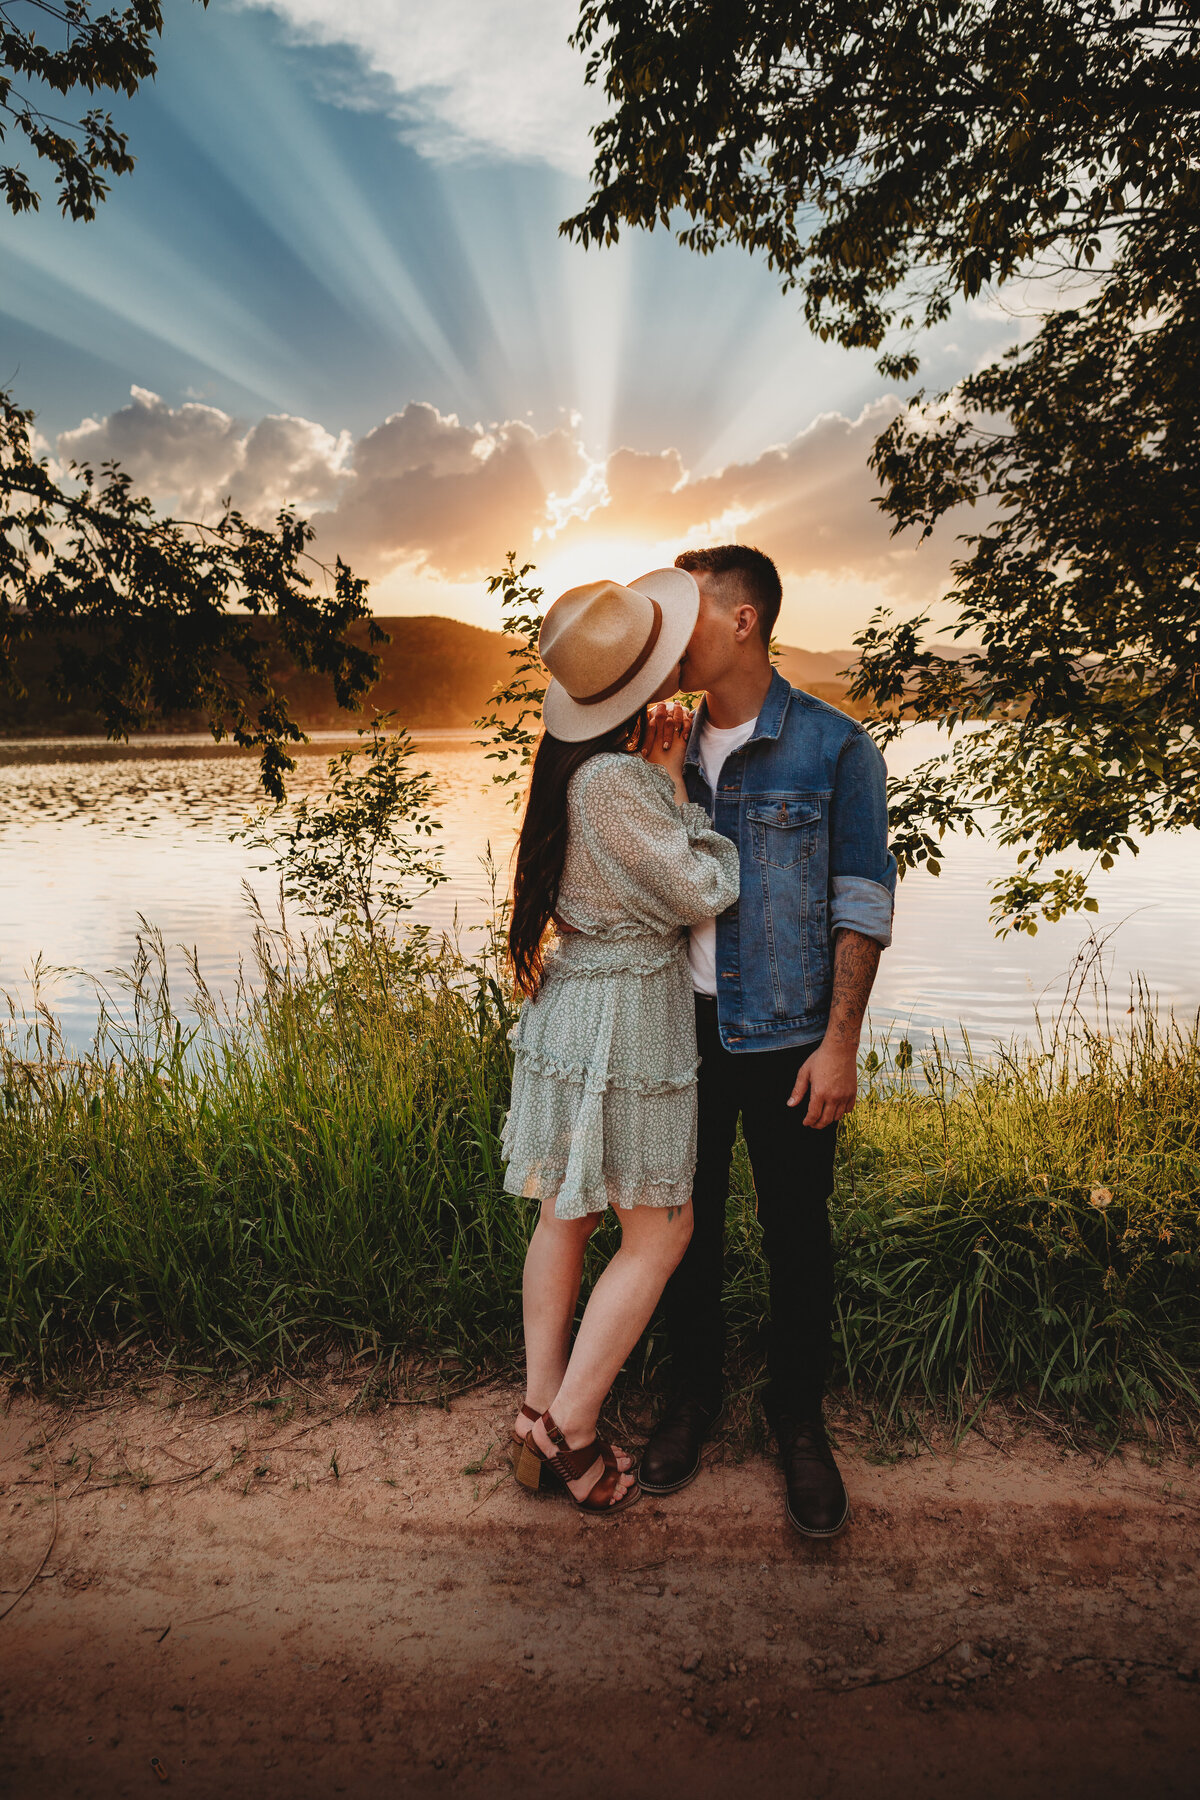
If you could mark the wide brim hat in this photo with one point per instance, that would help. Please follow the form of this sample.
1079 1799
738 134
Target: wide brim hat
608 648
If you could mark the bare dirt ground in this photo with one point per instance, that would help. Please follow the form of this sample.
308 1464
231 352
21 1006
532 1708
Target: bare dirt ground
307 1599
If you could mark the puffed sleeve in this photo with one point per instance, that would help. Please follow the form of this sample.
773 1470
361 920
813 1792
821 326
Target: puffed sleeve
664 860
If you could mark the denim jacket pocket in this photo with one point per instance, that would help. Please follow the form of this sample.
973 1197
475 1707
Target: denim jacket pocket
783 828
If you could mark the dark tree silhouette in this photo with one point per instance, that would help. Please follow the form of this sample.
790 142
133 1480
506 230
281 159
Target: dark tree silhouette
149 616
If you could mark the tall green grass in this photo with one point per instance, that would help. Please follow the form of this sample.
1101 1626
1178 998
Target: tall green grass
319 1164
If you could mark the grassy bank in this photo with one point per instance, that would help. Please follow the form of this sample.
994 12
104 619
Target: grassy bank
320 1166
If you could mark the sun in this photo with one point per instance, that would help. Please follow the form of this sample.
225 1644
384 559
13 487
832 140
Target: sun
598 558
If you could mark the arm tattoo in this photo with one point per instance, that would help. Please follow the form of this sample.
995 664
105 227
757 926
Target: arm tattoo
855 961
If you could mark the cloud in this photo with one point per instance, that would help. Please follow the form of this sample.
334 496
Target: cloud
809 502
463 76
450 499
425 494
194 456
429 491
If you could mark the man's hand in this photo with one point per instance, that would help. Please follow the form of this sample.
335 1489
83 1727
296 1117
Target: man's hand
830 1076
830 1079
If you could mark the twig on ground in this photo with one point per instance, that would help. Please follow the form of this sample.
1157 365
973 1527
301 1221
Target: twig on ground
83 1480
442 1399
490 1492
49 1547
315 1426
886 1680
139 1481
205 1618
144 1486
988 1439
305 1389
188 1475
62 1429
162 1449
218 1417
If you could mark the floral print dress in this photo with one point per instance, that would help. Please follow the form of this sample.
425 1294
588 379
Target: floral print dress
604 1084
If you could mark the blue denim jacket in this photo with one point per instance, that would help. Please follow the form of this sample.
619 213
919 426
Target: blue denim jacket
805 801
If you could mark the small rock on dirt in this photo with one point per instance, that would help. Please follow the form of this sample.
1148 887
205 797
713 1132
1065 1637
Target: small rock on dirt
692 1661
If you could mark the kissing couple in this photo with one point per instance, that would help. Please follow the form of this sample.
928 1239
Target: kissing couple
699 905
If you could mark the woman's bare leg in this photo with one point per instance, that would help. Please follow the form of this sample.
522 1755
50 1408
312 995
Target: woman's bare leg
653 1239
550 1294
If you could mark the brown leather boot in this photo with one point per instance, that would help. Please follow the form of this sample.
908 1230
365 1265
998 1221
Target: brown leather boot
817 1504
672 1455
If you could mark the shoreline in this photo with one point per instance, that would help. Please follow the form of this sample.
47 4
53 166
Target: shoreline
317 742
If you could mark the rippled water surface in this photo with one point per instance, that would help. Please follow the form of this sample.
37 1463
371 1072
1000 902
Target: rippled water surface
92 836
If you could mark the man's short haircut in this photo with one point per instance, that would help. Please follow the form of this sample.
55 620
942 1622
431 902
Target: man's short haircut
758 581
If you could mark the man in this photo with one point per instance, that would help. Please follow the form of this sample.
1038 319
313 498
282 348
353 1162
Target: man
781 986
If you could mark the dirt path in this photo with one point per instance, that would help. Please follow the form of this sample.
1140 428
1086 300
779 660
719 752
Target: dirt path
281 1602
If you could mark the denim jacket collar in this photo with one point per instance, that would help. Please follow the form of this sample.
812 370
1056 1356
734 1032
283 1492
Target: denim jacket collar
769 723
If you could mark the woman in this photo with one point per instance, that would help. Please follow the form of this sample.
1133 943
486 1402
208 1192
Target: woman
604 1085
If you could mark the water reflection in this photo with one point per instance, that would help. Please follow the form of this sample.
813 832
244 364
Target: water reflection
92 836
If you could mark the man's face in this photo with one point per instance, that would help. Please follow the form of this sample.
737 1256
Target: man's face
712 646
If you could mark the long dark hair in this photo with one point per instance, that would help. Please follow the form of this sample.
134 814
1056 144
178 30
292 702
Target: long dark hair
542 846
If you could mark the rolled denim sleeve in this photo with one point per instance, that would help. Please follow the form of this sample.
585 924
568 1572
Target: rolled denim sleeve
862 870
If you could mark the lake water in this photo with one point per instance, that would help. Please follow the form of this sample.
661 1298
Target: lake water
95 836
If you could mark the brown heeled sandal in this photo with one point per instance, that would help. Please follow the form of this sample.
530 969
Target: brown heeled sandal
535 1466
531 1474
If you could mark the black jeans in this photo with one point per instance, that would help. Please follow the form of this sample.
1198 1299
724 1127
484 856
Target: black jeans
793 1178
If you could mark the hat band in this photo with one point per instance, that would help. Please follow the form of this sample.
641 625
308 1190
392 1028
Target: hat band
635 668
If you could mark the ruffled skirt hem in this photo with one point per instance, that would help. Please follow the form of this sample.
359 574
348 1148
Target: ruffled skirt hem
537 1182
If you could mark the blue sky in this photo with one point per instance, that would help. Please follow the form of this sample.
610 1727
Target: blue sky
335 278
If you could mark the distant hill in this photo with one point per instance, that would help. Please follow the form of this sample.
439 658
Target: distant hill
437 673
816 671
803 667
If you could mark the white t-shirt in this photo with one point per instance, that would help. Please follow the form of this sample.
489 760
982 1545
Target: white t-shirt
715 746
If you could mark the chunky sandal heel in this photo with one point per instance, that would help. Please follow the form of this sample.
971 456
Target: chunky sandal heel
530 1469
516 1441
572 1465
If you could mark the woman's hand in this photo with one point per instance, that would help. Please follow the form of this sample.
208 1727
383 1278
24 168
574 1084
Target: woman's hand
666 741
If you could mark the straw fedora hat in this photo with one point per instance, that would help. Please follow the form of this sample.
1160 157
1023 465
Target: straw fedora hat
609 647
